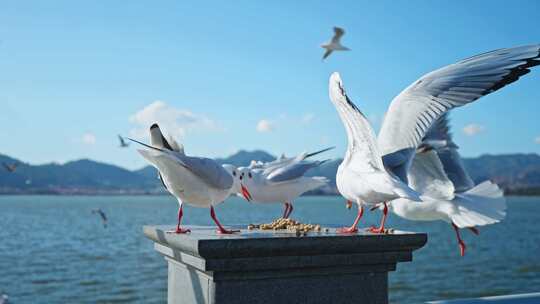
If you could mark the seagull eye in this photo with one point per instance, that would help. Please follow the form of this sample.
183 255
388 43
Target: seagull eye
234 173
249 174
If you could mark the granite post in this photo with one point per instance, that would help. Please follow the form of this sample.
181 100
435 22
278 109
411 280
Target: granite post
256 266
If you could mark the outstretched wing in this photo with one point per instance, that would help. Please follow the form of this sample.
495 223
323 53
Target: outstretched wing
414 110
338 32
326 54
362 153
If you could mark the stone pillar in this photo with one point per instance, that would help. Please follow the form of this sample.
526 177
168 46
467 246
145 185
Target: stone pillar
256 266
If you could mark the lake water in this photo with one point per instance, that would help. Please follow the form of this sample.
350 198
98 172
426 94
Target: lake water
53 250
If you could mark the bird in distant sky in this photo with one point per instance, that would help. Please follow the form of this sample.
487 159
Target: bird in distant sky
10 167
123 143
335 43
102 215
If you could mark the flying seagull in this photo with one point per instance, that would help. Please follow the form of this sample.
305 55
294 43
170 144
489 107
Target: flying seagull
197 181
361 177
335 43
10 167
282 180
102 215
123 143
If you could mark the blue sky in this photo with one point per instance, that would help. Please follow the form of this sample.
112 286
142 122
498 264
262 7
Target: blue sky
73 74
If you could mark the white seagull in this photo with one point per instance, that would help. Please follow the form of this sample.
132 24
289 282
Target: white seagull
281 181
361 177
458 201
197 181
335 43
413 112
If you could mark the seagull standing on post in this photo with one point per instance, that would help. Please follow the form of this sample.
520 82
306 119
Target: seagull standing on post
335 43
282 180
361 177
197 181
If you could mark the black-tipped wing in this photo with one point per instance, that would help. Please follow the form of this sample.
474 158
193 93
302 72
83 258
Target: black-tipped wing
362 152
338 32
414 110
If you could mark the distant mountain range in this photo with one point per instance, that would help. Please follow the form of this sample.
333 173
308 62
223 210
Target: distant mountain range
516 173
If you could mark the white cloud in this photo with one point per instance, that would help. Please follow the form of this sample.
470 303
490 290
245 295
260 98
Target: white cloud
176 122
537 140
264 125
473 129
88 139
307 118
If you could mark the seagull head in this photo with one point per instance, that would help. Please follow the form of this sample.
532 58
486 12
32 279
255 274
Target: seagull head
238 187
335 88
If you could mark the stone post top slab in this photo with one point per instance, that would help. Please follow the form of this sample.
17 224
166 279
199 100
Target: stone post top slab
206 243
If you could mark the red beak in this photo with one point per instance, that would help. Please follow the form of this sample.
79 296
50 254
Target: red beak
246 193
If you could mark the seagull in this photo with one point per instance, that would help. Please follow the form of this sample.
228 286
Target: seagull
412 113
123 143
361 177
4 299
335 43
197 181
102 215
10 167
457 201
281 180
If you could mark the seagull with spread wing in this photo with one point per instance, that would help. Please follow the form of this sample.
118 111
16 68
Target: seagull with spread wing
123 143
102 214
413 112
447 191
335 43
282 180
197 181
361 177
10 167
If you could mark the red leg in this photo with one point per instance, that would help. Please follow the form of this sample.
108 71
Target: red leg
178 228
383 221
290 210
353 227
220 229
474 230
460 241
286 211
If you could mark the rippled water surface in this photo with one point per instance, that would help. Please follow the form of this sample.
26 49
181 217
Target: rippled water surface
53 250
